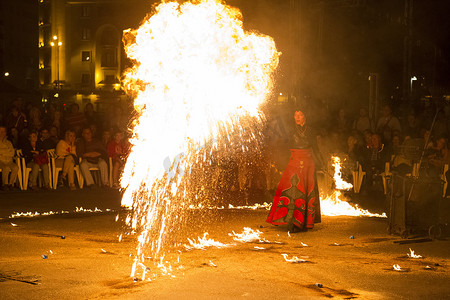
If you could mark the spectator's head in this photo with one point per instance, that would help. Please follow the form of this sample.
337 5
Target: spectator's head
45 134
94 129
351 141
89 108
14 132
18 102
57 115
35 114
368 137
396 139
69 136
106 136
54 131
118 136
74 108
33 137
15 111
87 134
411 120
51 108
376 141
386 111
2 133
441 143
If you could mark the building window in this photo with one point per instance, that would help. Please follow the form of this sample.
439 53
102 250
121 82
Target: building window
85 79
86 56
85 33
46 36
85 11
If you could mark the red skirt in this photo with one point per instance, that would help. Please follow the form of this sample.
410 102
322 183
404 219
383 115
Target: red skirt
296 200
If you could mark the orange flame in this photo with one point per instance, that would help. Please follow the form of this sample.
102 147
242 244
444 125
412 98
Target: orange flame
332 205
411 254
203 243
339 182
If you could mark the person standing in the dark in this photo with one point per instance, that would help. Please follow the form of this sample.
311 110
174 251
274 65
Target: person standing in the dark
296 202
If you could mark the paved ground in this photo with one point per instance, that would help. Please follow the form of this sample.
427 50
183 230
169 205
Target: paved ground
90 262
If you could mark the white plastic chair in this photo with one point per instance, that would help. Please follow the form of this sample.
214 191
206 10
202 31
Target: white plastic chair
55 170
110 166
18 161
444 180
358 177
26 171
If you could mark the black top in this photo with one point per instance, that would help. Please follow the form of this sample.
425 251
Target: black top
302 137
27 148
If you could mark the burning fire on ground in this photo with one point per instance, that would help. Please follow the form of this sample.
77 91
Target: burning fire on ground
198 81
332 205
411 254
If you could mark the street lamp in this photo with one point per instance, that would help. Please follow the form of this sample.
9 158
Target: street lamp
414 78
58 44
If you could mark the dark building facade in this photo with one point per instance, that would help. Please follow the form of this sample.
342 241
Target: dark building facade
18 40
81 55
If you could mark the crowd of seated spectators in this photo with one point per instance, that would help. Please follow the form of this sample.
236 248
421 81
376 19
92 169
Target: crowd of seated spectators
80 140
417 136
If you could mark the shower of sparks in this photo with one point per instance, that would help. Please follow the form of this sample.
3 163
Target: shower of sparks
411 254
198 81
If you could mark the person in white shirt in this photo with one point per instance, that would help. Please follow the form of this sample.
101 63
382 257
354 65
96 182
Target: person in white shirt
8 167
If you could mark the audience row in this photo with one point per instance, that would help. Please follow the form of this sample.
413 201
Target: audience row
71 155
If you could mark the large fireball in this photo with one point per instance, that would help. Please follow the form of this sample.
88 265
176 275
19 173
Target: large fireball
197 77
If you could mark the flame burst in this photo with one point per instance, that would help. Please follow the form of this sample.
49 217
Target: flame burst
198 81
338 181
334 206
204 243
411 254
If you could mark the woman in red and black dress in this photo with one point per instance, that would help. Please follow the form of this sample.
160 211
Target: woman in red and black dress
296 201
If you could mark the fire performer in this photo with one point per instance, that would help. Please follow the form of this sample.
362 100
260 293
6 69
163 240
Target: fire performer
296 202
